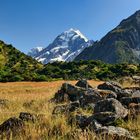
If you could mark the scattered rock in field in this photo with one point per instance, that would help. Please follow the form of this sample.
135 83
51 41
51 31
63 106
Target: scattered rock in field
112 95
12 125
111 105
69 92
83 83
74 93
59 109
66 108
105 118
92 123
113 86
81 121
113 133
136 93
61 96
128 100
73 106
108 103
134 110
25 116
90 99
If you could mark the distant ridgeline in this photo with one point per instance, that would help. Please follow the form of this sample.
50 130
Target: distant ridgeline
16 66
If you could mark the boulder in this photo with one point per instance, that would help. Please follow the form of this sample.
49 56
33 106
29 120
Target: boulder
73 106
111 105
115 87
112 95
128 100
90 99
92 123
110 86
12 125
83 83
67 108
74 93
84 122
113 133
136 93
105 118
134 110
59 109
25 116
60 97
81 121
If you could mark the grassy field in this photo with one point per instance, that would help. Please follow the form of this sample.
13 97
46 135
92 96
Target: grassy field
33 97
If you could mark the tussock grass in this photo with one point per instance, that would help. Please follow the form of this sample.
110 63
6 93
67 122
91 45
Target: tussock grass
33 97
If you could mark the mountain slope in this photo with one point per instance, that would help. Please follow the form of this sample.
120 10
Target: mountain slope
122 44
65 47
15 65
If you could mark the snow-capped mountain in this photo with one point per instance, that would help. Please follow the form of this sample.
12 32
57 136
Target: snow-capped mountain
65 47
33 52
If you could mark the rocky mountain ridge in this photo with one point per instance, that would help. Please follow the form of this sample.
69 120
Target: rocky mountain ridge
65 47
120 45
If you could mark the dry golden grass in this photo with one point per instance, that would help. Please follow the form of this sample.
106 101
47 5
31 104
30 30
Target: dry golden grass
33 97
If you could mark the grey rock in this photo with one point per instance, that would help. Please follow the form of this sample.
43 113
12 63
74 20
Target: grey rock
111 105
112 95
115 87
74 93
25 116
66 108
81 121
134 110
93 124
89 98
136 93
114 133
106 118
59 109
14 126
60 96
73 106
83 83
109 86
128 100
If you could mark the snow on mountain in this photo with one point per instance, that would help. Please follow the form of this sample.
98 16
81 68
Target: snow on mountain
33 52
65 47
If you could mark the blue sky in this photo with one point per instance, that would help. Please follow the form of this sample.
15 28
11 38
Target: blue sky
30 23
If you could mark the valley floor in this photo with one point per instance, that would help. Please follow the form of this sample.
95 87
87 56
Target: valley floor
16 97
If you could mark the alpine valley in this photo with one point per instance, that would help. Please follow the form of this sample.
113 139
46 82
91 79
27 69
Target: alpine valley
71 55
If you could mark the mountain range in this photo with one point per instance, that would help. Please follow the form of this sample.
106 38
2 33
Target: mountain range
121 45
65 47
